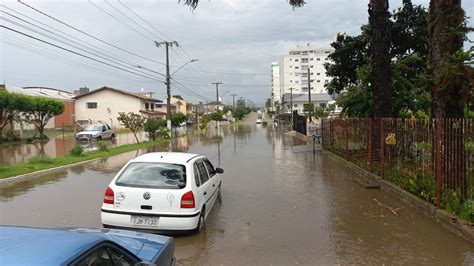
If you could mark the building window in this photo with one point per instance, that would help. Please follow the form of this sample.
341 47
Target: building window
304 74
304 60
291 81
326 59
311 59
312 73
295 105
312 80
296 60
147 106
296 67
317 74
318 81
92 105
304 53
322 105
311 66
291 66
318 59
304 67
296 81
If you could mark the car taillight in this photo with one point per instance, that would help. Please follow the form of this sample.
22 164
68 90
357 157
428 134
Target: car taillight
109 196
187 200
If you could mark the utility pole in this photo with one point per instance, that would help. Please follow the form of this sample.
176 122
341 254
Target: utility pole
310 111
291 106
233 101
168 79
217 92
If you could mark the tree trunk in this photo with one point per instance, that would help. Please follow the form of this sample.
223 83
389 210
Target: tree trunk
444 16
136 138
380 55
445 21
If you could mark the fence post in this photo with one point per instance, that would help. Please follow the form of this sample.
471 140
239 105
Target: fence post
346 135
369 148
382 149
437 155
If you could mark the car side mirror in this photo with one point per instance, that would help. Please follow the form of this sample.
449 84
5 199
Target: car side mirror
219 170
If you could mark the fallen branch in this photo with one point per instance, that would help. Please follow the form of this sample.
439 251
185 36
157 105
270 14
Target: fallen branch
393 210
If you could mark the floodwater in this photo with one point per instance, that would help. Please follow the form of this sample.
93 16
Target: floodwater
280 205
58 146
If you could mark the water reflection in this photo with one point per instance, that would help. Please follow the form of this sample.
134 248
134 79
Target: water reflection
57 147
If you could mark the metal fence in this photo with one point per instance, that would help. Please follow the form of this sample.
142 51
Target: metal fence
299 123
433 159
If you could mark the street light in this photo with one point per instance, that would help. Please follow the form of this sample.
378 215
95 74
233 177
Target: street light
191 61
168 91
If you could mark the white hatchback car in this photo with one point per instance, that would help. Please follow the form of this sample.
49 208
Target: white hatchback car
162 191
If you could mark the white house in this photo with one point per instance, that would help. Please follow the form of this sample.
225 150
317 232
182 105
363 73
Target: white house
104 104
299 100
302 66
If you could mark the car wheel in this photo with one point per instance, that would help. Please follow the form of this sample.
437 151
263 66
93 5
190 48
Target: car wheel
112 136
202 221
219 195
99 138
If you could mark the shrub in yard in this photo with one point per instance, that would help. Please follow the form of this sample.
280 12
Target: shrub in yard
41 159
76 150
264 123
102 146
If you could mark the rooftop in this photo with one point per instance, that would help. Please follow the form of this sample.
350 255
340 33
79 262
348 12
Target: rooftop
136 95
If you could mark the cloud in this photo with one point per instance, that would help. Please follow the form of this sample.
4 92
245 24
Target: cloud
242 36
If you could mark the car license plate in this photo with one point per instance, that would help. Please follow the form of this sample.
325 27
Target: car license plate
143 220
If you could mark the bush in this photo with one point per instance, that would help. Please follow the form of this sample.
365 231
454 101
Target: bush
76 150
264 123
102 145
41 159
152 125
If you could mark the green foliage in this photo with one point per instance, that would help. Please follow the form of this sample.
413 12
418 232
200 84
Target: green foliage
178 97
102 145
177 119
240 113
152 125
39 110
264 123
241 103
453 203
351 70
77 150
132 121
323 112
41 159
216 116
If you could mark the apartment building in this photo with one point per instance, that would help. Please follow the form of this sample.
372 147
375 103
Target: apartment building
301 66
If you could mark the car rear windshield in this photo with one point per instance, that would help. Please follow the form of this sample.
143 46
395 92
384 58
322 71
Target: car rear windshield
153 175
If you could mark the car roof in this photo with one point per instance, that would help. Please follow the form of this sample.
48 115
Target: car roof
44 246
41 246
166 157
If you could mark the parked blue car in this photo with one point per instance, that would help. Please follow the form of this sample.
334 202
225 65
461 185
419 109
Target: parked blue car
77 246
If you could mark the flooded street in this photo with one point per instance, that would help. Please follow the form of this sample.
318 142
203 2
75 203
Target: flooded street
57 147
280 205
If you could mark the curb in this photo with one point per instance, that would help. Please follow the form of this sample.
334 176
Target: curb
456 225
14 179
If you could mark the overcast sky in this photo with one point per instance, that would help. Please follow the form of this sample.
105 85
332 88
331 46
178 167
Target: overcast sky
227 36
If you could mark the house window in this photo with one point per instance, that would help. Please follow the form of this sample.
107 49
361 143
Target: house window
295 105
92 105
322 105
147 106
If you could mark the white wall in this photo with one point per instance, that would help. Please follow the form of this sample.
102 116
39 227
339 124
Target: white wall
292 69
109 104
276 83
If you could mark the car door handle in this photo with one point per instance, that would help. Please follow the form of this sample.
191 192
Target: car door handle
205 193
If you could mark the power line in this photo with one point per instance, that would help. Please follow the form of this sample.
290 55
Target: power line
77 53
150 25
120 21
78 45
87 34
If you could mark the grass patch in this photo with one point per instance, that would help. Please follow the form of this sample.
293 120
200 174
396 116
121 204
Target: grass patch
40 163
